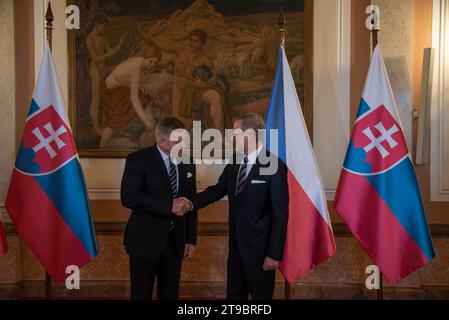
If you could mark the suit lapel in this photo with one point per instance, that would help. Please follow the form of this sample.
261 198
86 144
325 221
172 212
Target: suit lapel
251 175
182 178
162 167
234 173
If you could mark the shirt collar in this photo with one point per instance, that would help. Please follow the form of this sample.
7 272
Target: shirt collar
163 154
253 155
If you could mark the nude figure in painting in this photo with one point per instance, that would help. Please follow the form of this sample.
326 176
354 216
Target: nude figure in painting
122 98
188 57
99 52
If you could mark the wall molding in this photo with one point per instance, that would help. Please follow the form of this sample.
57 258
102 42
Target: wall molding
101 193
221 228
331 104
39 33
439 163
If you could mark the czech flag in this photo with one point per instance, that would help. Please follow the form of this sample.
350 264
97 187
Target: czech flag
310 238
377 194
47 199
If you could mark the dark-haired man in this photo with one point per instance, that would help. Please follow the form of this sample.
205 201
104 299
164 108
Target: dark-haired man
157 240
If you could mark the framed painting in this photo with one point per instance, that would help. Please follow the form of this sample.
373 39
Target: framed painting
133 62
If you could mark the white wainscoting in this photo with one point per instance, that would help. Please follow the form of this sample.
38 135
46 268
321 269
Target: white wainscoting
331 105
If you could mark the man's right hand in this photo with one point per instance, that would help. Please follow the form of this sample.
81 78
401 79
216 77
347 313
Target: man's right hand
181 206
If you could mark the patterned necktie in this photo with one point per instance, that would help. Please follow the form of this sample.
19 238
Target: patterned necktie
242 176
174 187
173 179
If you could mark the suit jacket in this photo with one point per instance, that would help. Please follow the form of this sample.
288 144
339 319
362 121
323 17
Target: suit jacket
258 216
146 190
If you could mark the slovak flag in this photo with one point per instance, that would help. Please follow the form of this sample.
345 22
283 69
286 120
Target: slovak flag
47 199
377 194
310 238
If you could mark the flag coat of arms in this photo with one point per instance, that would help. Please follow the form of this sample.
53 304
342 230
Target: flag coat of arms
309 239
47 199
377 194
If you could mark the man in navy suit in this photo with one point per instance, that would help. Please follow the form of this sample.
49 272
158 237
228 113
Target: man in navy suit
258 212
160 232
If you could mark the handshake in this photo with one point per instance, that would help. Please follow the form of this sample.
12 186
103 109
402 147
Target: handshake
181 206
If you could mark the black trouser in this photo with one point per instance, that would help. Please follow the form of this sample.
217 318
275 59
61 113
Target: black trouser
246 277
167 269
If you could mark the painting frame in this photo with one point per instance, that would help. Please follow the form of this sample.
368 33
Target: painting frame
307 106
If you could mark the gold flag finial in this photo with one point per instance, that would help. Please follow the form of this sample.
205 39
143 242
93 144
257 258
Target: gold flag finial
49 25
281 24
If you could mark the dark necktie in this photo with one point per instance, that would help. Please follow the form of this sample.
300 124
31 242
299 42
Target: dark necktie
173 179
242 176
174 187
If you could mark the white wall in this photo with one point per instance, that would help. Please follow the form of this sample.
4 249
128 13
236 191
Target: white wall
331 105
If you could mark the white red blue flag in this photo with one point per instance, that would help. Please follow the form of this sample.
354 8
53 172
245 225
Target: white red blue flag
310 238
47 199
377 194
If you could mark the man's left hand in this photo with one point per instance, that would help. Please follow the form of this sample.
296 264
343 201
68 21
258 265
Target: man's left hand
270 264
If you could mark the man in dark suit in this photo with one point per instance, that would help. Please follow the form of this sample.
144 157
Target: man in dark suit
159 232
258 212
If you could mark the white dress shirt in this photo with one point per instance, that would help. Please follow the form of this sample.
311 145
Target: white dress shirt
252 158
166 159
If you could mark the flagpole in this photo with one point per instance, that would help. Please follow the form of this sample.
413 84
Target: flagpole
283 34
281 27
49 38
374 41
